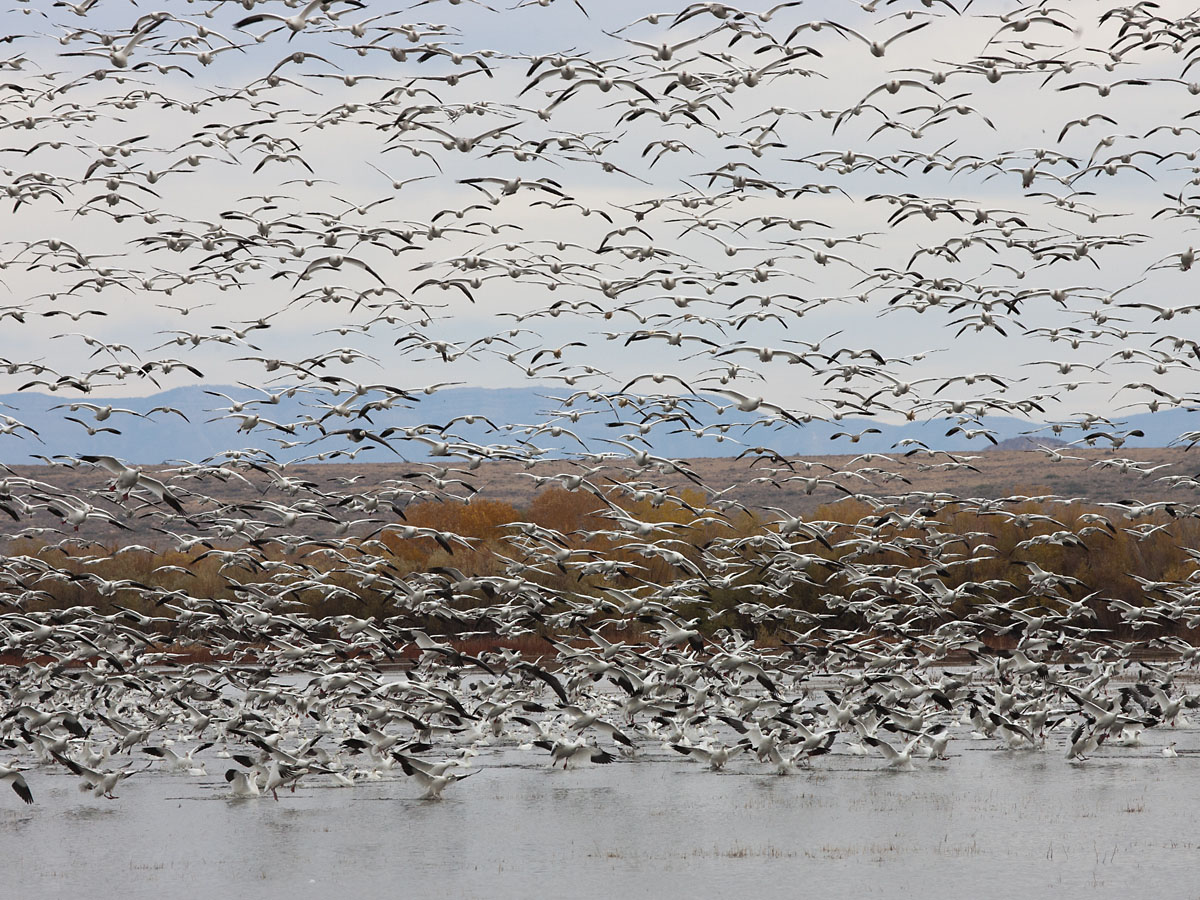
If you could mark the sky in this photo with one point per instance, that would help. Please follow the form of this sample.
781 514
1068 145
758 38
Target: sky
304 168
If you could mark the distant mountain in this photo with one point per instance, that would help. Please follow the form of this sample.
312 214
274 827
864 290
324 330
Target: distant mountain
1029 442
521 416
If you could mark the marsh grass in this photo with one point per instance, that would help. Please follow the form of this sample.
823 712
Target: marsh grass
1156 555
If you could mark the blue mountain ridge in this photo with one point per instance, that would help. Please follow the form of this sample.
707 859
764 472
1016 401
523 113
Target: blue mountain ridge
168 437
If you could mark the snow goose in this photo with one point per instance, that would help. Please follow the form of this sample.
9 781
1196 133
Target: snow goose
937 738
12 774
434 778
896 759
568 752
1130 737
243 784
1084 744
177 763
127 478
715 757
99 782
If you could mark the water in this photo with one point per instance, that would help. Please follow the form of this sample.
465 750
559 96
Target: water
985 823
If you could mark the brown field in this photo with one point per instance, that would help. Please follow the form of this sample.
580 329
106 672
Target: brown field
996 474
1108 562
1149 545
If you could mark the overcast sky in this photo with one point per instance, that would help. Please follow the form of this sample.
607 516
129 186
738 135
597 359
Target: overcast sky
1101 240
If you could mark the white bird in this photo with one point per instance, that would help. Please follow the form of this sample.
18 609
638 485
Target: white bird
294 24
746 403
937 739
243 784
126 478
896 759
1084 743
714 756
877 48
99 782
433 779
120 57
177 763
12 774
568 752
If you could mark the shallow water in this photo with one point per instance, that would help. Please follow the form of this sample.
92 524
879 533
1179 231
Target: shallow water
985 823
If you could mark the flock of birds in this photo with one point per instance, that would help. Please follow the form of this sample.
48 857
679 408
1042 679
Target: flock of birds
807 212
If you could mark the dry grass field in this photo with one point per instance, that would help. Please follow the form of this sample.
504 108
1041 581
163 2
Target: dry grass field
1090 475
